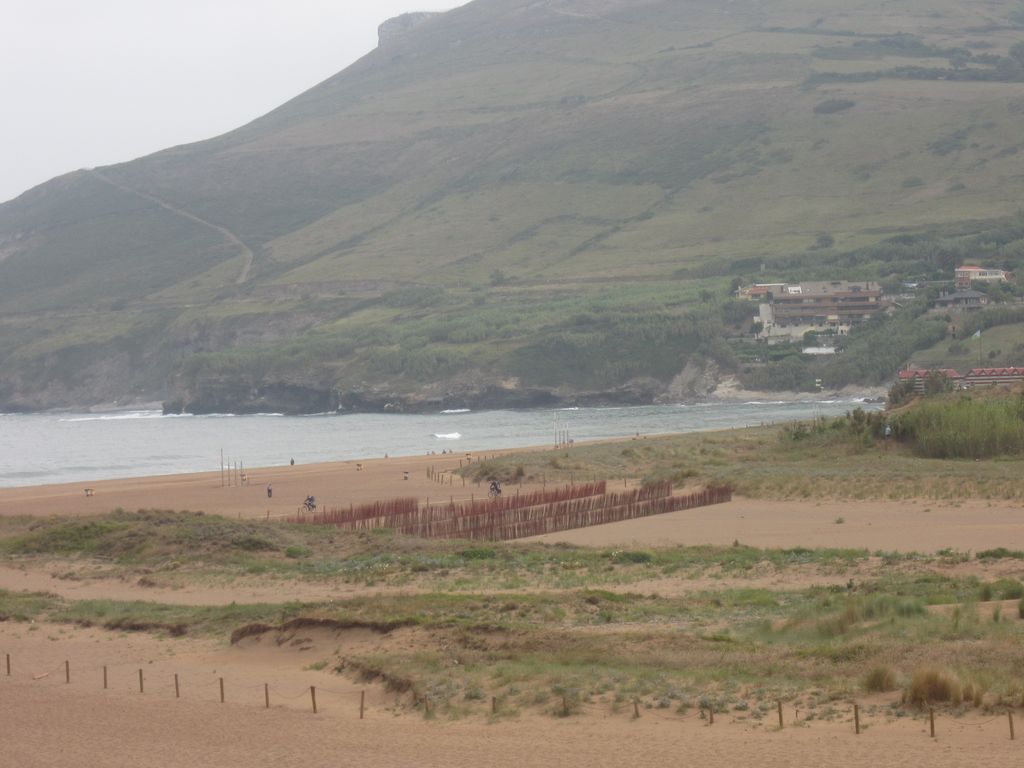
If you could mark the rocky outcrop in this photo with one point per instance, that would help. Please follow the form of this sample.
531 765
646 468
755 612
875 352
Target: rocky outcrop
395 30
223 396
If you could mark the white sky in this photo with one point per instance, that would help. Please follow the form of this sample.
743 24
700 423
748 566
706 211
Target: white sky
85 83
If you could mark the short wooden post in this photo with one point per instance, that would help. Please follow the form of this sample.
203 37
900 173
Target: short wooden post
1010 716
856 719
266 696
8 665
141 689
362 703
104 677
636 708
67 671
780 715
931 721
312 695
565 706
177 688
222 690
711 714
494 705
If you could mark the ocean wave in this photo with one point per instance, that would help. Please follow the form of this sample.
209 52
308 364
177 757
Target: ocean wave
457 410
767 402
451 436
125 416
573 408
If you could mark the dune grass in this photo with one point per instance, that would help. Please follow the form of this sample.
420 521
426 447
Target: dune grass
775 462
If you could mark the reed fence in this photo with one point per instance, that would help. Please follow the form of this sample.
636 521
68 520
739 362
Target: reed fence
518 516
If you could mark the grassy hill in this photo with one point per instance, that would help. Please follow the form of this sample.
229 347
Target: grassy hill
517 201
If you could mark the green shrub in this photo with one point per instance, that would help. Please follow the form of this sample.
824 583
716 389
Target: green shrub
632 556
1000 552
964 427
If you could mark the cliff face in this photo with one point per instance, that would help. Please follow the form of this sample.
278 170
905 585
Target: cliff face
394 30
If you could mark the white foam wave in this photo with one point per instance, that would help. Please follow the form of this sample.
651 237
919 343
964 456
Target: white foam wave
450 436
126 416
458 410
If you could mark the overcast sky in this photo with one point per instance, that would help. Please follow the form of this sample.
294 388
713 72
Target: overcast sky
85 83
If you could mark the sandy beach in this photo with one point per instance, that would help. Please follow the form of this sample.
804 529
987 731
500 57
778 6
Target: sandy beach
916 525
59 723
79 723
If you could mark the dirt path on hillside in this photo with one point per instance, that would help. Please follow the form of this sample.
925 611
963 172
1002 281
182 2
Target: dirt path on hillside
226 233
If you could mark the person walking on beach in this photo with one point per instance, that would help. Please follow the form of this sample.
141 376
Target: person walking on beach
270 491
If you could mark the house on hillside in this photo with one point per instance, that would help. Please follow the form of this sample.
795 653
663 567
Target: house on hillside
982 377
822 307
759 291
967 274
965 299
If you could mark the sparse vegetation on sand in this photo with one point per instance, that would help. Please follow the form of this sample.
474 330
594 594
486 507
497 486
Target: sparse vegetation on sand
542 628
842 458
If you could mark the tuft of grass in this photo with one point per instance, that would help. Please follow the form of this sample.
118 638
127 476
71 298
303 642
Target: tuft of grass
932 685
880 679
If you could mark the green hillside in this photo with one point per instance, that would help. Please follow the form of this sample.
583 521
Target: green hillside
519 202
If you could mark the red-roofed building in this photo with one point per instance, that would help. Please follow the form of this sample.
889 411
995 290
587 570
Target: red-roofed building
981 377
920 376
966 274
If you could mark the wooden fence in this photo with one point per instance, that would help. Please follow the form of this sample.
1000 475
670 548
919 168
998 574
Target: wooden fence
520 515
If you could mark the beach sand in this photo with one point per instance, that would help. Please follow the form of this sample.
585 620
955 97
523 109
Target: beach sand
49 723
915 525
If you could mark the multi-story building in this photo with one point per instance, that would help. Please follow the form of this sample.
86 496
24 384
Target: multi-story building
966 274
832 307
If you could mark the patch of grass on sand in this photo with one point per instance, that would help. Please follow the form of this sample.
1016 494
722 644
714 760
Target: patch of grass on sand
820 460
739 648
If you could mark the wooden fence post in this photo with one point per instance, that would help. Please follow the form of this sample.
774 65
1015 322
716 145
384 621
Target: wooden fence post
141 689
494 705
1010 716
266 696
362 703
931 721
177 688
780 715
104 677
222 690
67 671
312 695
711 714
8 665
636 708
856 720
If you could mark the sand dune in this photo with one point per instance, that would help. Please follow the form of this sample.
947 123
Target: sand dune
81 724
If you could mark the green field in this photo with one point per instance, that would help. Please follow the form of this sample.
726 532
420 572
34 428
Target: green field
1000 346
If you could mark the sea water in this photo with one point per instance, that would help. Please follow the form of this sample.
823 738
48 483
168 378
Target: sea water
65 447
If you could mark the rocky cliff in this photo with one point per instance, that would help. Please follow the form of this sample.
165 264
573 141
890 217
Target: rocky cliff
395 30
